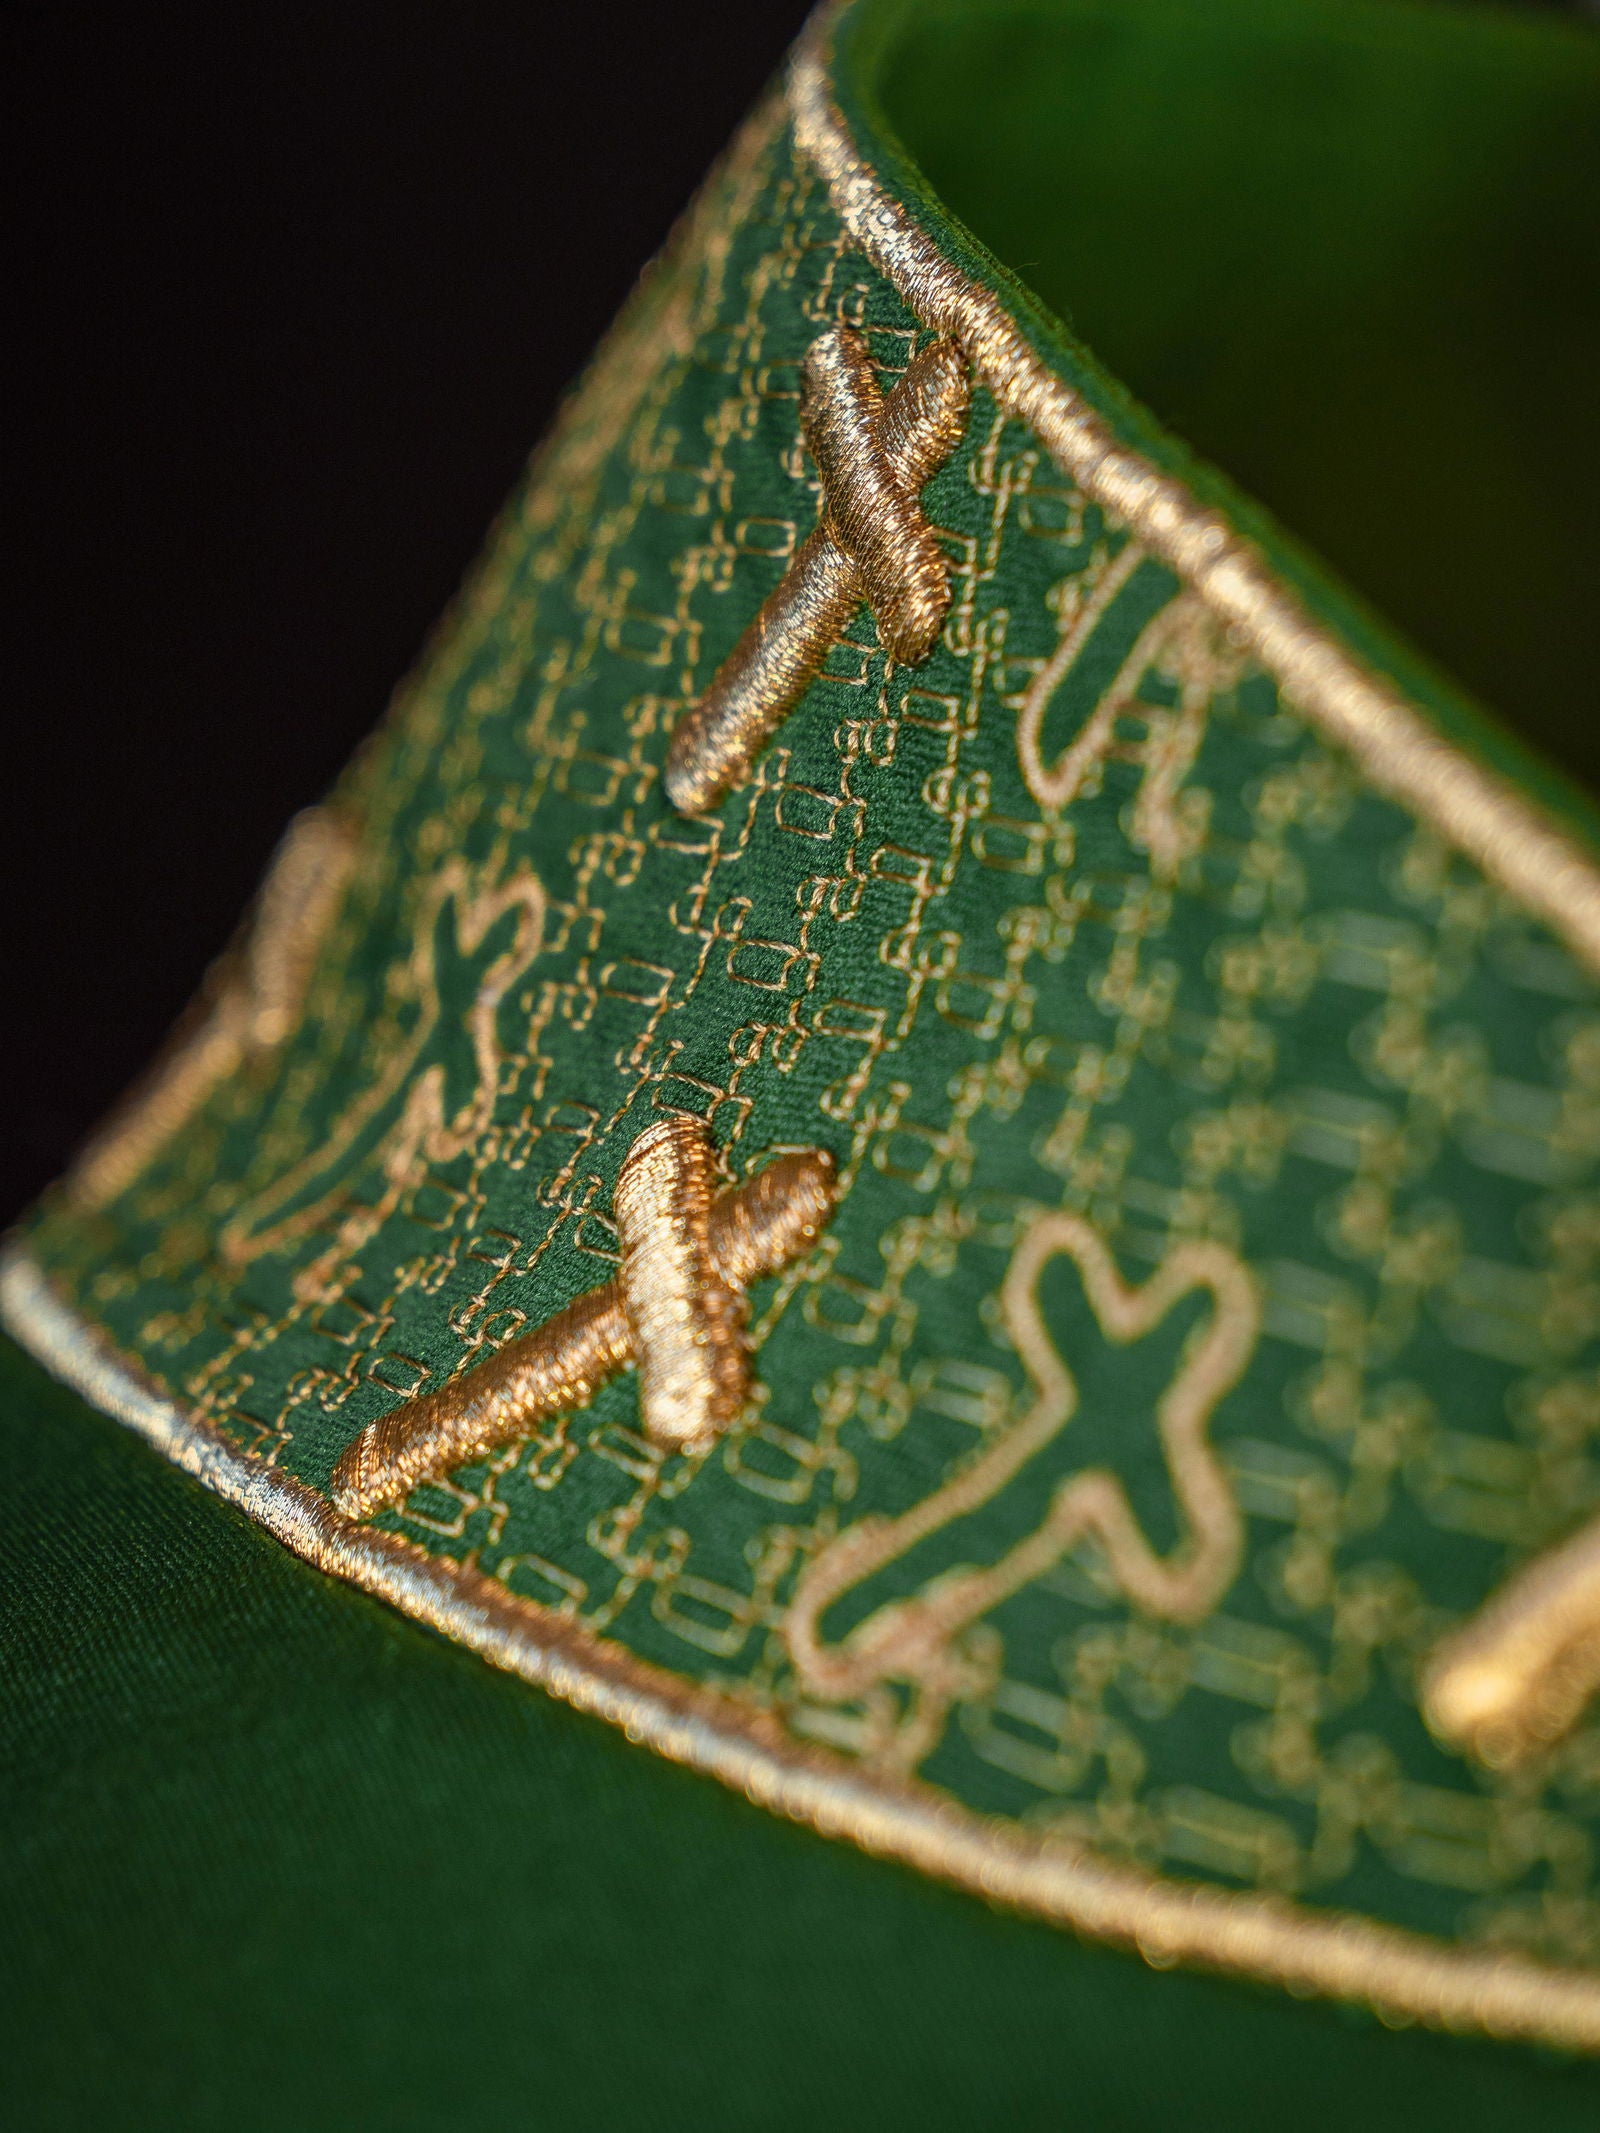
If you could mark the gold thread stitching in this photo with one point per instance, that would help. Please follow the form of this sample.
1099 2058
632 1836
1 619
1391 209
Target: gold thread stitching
1397 747
1516 1677
422 1125
874 455
1182 639
254 1003
755 1229
319 849
918 1640
1164 1921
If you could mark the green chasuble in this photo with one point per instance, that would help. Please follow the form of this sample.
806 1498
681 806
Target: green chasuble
851 1372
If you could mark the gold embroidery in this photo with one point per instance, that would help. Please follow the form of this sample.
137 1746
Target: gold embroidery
874 456
1403 1973
258 994
253 1006
920 1641
686 1318
1517 1677
1395 744
673 1233
417 1108
1406 1974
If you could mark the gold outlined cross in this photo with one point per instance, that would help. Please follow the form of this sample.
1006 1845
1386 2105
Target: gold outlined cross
873 543
676 1312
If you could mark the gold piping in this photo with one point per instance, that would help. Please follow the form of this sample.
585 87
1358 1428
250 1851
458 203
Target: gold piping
1402 1974
1396 746
874 455
752 1231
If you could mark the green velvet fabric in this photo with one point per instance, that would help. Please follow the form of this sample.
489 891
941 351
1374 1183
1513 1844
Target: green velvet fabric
1349 250
275 1858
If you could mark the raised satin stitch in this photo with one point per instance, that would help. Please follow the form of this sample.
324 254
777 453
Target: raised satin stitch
1406 1974
254 1006
1096 978
1514 840
1515 1678
677 1310
874 455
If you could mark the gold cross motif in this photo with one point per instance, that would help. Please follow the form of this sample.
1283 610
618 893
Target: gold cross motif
1516 1677
676 1312
873 544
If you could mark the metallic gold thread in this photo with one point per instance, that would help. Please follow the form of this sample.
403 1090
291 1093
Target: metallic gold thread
917 1640
1404 1973
881 452
873 510
249 1007
755 1229
686 1320
300 897
1397 747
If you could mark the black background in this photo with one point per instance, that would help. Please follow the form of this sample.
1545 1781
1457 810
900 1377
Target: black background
294 291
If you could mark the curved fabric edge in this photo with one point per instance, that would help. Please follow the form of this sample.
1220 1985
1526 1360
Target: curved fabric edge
1404 1976
1486 818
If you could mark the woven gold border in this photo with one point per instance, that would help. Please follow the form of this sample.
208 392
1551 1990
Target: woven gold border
1403 1975
1513 841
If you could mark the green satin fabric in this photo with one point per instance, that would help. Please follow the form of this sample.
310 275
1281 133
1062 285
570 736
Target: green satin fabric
275 1858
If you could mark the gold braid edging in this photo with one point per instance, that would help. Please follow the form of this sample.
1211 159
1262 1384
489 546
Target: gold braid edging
1401 1974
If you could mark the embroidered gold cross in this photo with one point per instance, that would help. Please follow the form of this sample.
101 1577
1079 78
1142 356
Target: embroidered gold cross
1516 1677
873 543
676 1312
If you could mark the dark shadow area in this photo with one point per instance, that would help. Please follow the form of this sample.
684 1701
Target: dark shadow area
293 292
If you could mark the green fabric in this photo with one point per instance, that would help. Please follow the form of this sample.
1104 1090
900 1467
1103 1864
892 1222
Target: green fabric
1349 250
872 49
276 1858
1292 1024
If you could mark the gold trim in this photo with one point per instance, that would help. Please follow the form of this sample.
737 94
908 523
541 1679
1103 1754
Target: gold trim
1396 746
753 1230
874 455
1403 1975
